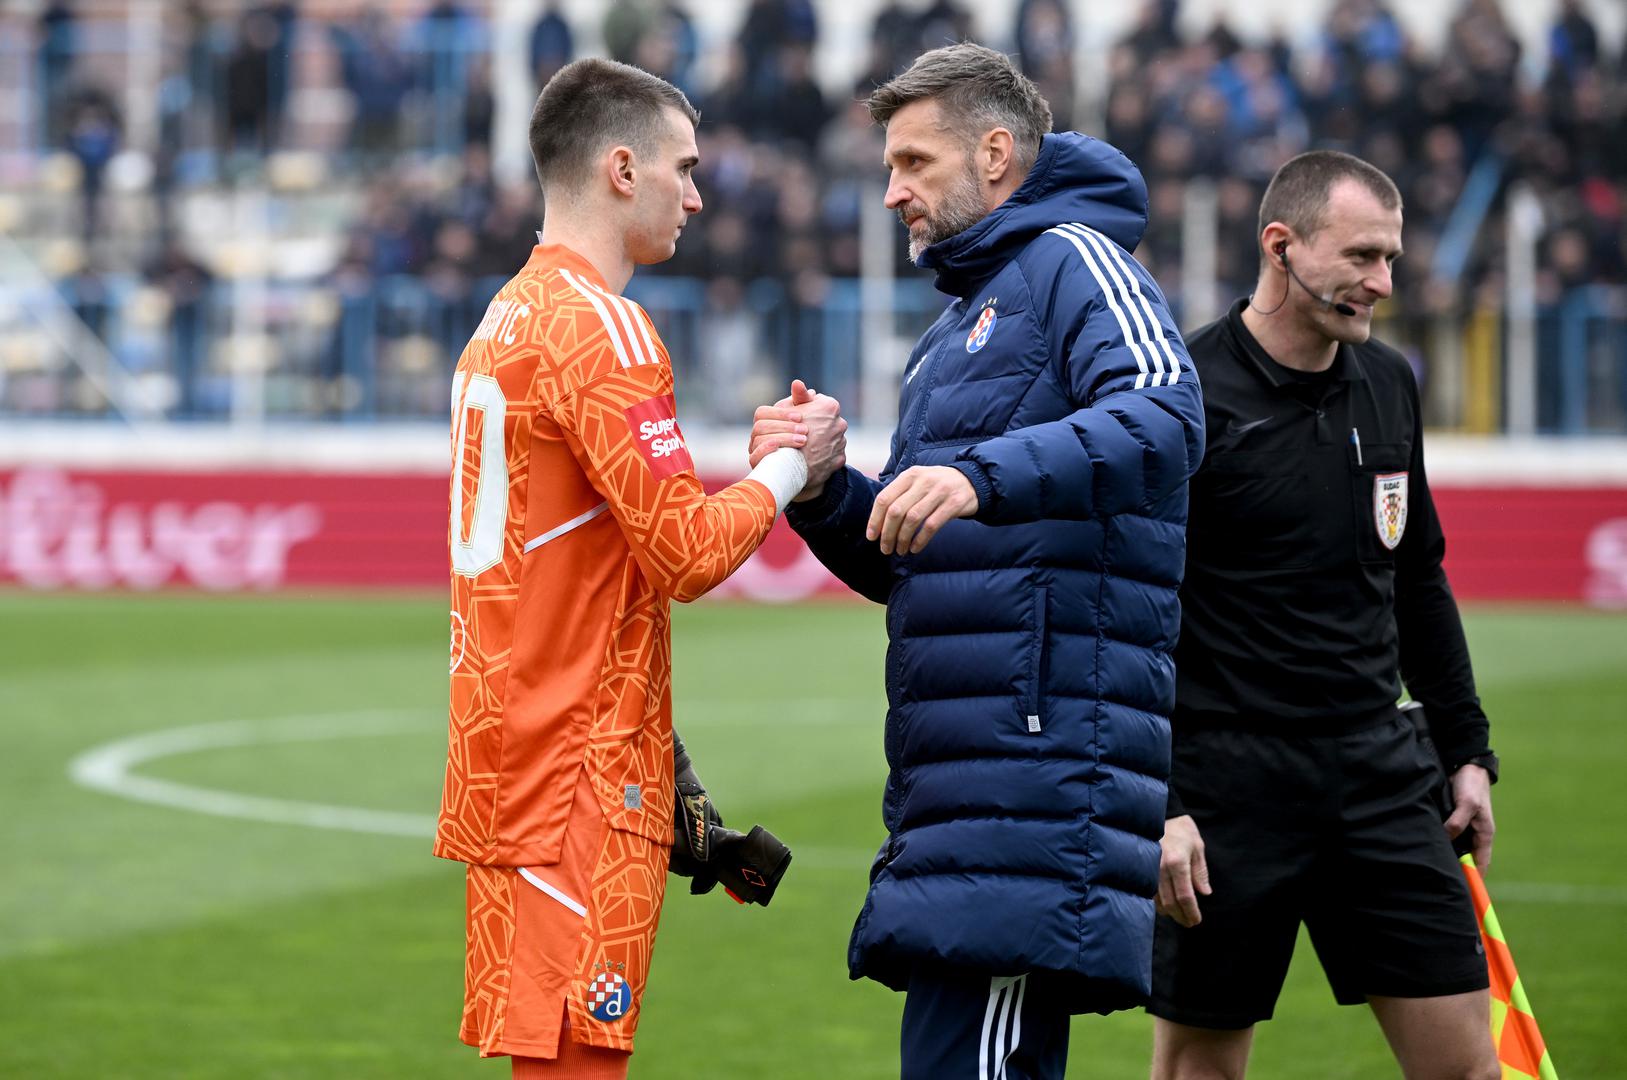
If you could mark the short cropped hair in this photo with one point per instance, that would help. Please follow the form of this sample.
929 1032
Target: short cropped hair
977 89
1298 194
592 104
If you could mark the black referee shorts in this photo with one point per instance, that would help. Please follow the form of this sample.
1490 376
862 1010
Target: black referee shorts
1339 831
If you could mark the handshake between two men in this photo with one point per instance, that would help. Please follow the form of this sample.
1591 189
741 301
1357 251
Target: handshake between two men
907 513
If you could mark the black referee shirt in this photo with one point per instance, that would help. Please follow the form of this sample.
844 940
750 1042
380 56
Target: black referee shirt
1313 561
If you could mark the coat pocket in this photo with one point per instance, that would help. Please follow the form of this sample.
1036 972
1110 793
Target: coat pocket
1033 698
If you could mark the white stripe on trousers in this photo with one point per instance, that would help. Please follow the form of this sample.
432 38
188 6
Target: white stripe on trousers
1002 1025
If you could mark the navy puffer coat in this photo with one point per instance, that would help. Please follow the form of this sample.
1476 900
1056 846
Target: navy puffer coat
1029 678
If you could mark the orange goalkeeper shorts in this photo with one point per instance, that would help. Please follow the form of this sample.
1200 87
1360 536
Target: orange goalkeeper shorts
574 936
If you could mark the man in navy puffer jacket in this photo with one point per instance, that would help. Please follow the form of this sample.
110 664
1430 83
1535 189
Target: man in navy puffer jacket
1028 538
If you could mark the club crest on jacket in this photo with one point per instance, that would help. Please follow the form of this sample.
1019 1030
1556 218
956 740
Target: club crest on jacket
979 336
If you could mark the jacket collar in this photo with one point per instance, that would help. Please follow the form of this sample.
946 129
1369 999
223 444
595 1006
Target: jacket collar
1075 178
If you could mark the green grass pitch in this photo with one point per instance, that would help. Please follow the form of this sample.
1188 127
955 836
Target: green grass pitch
141 940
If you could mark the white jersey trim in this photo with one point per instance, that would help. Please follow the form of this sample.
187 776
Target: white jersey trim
560 530
636 314
574 905
628 357
631 324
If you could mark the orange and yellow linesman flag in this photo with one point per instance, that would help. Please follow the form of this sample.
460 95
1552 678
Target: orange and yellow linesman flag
1513 1026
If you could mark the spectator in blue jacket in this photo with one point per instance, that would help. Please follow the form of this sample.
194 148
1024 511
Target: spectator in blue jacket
1027 536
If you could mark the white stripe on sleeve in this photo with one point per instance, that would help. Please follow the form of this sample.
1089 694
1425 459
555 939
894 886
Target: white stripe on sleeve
1112 303
631 324
1126 291
604 316
641 320
1146 305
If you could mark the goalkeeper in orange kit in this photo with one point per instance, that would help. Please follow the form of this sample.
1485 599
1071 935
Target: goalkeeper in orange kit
576 517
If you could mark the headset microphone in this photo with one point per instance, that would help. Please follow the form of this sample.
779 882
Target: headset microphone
1326 299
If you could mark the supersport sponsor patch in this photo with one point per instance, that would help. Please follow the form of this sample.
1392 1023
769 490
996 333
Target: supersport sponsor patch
654 425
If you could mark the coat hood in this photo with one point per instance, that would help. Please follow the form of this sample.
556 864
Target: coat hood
1075 179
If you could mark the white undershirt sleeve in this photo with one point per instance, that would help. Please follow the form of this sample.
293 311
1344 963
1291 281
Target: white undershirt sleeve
784 473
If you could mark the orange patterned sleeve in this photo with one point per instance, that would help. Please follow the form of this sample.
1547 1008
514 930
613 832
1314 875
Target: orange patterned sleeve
623 429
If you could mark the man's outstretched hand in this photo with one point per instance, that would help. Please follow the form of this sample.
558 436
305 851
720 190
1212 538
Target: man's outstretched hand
921 500
804 421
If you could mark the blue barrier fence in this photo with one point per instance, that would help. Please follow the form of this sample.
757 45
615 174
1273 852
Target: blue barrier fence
384 349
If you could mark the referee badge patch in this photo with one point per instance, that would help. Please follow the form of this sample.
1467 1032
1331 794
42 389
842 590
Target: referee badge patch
1390 507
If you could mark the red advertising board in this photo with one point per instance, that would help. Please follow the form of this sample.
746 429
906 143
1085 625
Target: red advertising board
233 530
1532 543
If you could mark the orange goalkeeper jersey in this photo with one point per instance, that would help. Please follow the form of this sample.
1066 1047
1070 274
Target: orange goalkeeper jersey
576 516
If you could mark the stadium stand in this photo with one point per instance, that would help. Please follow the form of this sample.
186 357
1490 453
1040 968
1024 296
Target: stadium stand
293 211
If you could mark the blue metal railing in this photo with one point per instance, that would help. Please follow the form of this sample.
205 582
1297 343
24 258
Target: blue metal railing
1467 218
1582 362
385 348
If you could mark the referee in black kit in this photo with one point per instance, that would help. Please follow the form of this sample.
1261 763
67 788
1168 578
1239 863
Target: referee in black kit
1300 792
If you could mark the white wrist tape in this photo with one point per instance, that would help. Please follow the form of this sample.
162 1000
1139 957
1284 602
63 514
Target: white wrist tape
784 473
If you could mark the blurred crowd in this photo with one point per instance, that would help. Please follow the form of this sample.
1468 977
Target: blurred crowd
1230 111
788 161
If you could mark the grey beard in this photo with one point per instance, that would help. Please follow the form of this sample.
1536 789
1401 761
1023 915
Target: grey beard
962 208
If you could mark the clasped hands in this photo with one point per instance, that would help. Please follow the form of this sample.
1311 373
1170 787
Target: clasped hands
907 513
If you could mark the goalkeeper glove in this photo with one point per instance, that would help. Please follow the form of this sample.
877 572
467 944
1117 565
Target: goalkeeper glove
698 825
749 865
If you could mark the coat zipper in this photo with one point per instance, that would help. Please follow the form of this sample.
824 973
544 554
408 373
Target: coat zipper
1036 660
929 379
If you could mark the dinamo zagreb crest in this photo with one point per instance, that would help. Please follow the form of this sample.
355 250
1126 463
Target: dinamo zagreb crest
609 996
979 336
1390 507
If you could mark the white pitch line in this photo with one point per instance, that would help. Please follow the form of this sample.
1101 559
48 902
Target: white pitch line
1545 892
107 768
